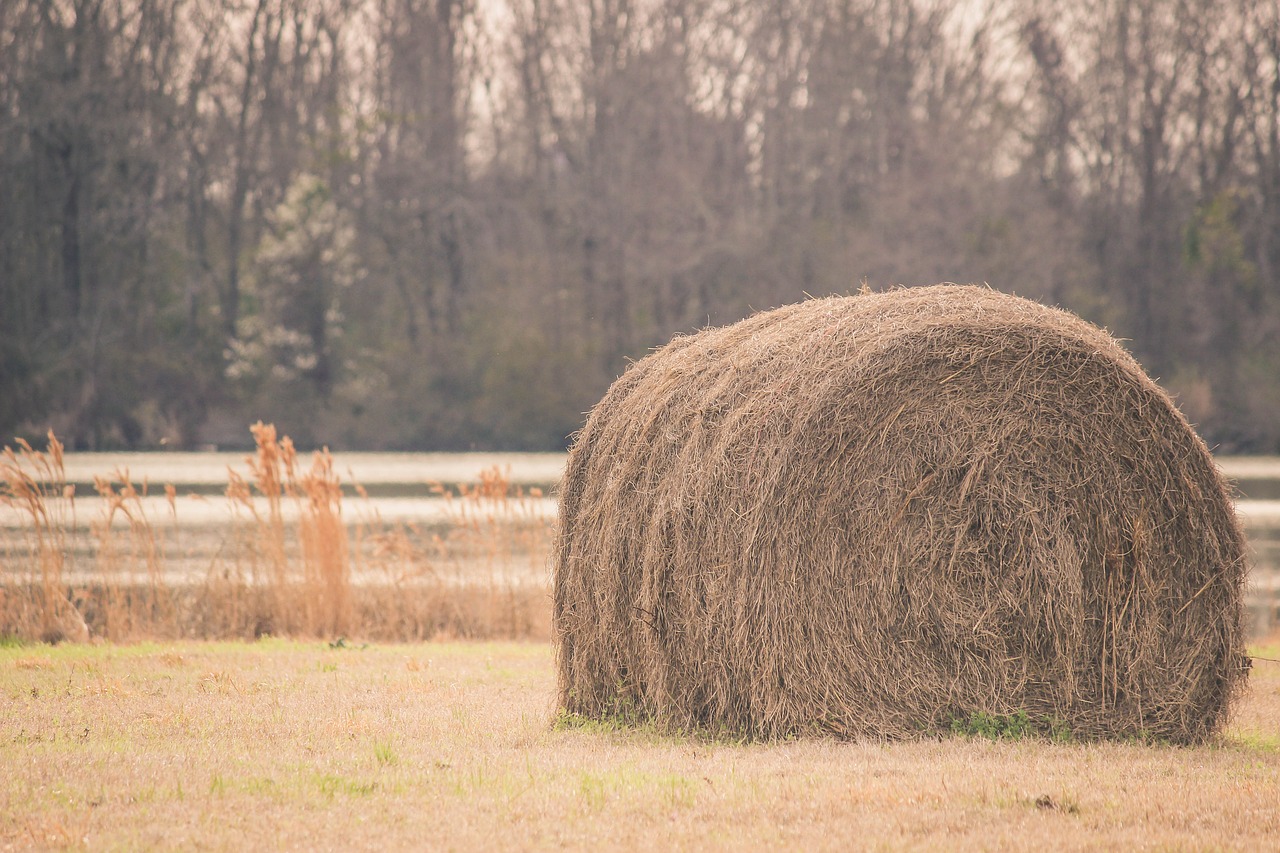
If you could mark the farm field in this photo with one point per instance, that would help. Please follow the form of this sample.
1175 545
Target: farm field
454 745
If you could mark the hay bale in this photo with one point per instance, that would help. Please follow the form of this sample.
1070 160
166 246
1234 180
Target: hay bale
873 515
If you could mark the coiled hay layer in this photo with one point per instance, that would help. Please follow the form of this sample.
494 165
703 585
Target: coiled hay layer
871 516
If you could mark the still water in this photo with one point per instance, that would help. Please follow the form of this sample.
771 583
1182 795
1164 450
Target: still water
404 488
1257 483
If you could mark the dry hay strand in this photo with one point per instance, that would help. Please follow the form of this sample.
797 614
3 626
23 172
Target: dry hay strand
872 516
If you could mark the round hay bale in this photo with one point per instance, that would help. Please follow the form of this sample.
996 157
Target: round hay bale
873 516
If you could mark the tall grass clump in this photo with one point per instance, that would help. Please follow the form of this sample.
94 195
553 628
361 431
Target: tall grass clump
37 601
298 555
128 586
466 575
306 578
496 531
325 547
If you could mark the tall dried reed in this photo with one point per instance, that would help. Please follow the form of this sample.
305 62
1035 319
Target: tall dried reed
316 597
482 571
293 558
35 485
132 594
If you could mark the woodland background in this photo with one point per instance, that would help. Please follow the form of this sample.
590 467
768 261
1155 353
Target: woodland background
447 224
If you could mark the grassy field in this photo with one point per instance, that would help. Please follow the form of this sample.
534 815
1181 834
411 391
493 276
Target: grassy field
301 745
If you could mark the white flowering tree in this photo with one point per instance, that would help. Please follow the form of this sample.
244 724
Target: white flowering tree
292 308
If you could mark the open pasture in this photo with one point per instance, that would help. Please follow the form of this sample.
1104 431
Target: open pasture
303 745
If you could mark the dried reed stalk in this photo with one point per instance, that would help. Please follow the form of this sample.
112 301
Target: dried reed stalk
325 560
289 568
35 484
134 604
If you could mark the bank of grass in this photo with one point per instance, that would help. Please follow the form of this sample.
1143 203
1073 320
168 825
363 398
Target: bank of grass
313 745
298 557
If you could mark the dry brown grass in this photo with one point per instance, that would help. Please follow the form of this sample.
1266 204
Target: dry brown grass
871 515
297 558
35 484
312 593
287 745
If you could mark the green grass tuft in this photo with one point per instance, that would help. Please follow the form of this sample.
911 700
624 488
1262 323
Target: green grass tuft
1015 726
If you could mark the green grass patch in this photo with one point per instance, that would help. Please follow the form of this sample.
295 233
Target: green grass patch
1254 741
384 752
332 785
1015 726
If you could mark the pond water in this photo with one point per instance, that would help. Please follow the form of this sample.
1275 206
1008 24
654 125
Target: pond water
404 488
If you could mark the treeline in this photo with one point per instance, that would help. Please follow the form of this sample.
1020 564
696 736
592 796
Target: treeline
449 223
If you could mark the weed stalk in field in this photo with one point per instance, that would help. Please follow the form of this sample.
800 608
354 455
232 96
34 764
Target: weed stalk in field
325 549
35 485
134 603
